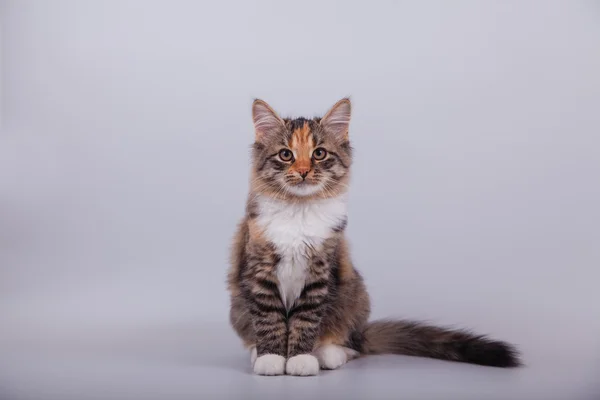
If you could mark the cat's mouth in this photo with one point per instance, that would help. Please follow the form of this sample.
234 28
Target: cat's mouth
304 188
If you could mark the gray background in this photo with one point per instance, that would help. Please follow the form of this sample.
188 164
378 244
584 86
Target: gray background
123 171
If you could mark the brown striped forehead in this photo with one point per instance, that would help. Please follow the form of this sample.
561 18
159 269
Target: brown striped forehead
302 132
302 137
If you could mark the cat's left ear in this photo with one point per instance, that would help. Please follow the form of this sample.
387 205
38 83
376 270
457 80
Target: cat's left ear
337 119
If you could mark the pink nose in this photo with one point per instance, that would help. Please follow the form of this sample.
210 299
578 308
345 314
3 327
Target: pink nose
303 172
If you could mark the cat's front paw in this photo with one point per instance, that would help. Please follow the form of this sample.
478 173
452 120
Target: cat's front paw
269 364
302 365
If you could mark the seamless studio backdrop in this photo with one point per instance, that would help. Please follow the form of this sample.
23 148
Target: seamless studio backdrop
124 158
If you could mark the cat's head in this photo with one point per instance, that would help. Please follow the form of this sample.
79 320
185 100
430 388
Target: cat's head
301 158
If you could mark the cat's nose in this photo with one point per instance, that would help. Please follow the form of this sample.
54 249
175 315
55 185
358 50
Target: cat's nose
304 173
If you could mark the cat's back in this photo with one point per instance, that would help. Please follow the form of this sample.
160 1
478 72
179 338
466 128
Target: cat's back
237 256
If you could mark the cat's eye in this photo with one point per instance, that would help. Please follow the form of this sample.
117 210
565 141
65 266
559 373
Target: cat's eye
286 155
319 154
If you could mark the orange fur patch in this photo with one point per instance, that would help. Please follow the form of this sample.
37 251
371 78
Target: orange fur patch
338 337
346 270
302 143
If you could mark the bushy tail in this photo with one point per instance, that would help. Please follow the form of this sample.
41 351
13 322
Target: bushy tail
417 339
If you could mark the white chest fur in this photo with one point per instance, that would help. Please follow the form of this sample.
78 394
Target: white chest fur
293 229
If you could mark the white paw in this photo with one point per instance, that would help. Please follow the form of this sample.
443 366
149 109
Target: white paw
269 364
331 356
253 355
302 365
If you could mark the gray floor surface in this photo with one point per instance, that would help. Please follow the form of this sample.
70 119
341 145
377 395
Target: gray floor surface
206 361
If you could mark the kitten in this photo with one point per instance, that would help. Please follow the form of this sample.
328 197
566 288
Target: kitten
296 300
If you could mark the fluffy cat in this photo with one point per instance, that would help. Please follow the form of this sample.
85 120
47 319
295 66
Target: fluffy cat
296 300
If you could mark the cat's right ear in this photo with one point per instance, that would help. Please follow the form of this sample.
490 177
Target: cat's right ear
266 121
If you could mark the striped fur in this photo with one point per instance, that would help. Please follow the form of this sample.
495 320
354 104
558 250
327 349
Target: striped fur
296 300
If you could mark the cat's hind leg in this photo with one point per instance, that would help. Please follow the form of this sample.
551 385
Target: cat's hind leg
333 356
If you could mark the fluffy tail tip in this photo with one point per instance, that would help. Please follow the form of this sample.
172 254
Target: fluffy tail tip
484 351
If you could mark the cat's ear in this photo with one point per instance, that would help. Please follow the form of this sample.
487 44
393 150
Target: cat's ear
266 120
337 119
